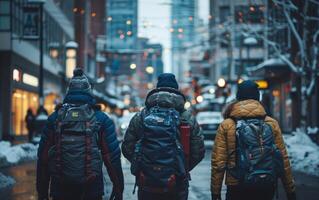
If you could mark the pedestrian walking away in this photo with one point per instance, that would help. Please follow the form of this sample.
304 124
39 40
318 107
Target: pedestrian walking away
163 143
75 142
249 148
30 121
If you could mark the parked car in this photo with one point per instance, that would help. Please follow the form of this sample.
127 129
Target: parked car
124 122
209 122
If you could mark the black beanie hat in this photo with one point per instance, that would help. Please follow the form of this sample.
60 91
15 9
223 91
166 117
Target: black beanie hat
79 82
167 80
247 90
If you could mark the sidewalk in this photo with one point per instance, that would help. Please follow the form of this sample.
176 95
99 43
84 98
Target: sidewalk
25 176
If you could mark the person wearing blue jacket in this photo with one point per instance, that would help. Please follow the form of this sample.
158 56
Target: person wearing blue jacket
80 93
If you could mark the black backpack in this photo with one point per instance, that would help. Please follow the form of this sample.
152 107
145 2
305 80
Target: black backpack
75 157
258 160
159 162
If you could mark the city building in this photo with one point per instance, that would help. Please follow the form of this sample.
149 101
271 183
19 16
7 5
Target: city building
234 46
121 24
89 19
197 54
183 21
285 96
20 60
121 41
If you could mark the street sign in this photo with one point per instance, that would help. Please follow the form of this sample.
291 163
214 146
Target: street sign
31 23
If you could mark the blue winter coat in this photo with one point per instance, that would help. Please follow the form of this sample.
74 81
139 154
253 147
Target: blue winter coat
111 154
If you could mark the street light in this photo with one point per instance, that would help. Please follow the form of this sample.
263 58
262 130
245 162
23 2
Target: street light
133 66
70 62
200 99
54 49
221 83
149 69
187 105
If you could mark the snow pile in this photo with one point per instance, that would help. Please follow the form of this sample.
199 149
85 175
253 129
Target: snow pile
313 130
303 153
6 181
10 155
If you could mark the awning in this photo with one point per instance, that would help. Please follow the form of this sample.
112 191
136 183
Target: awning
273 67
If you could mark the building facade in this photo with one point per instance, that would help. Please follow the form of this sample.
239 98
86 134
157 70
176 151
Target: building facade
122 30
183 21
285 97
20 59
234 46
121 24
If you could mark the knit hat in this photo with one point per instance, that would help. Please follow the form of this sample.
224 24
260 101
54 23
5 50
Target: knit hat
79 82
167 80
247 90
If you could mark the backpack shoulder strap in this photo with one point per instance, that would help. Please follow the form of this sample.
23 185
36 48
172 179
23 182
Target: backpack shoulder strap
229 154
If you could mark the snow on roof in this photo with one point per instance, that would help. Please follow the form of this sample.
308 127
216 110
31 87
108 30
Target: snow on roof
269 62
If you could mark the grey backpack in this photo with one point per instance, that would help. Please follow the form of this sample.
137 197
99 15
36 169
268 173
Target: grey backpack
258 160
75 158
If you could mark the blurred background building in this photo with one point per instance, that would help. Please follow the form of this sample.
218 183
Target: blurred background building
183 20
210 55
19 55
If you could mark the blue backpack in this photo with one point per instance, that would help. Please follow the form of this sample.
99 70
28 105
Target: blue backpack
258 160
159 161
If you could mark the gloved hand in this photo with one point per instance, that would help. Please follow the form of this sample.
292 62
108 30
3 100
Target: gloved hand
291 196
216 197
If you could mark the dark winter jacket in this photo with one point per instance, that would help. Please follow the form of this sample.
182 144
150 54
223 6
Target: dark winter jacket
109 149
171 98
30 121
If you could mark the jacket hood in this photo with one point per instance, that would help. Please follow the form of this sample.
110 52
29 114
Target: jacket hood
247 108
78 97
167 98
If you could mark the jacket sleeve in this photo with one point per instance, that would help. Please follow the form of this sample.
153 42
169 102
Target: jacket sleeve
197 147
47 140
219 160
111 154
131 137
287 178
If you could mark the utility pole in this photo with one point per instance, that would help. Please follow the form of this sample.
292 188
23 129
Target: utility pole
41 57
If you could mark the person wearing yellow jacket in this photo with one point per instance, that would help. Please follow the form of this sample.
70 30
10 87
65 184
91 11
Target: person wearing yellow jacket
247 105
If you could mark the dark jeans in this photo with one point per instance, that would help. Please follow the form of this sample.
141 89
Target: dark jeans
176 195
76 192
75 197
30 135
250 193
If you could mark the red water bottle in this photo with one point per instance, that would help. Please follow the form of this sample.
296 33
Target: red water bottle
185 130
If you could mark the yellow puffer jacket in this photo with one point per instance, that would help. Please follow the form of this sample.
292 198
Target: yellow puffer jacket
225 144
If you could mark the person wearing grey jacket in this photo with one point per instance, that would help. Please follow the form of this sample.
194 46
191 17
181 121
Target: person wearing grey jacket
166 95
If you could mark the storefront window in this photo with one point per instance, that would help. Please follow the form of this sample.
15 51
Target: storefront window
21 102
50 102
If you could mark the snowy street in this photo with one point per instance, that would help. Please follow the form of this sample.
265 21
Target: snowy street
85 82
24 175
